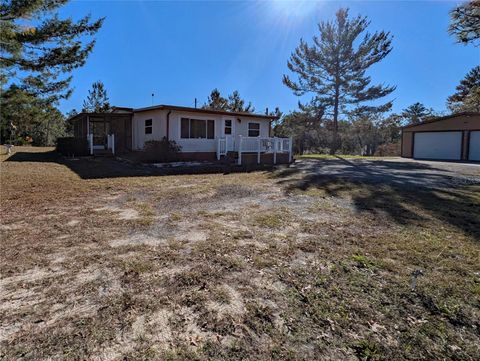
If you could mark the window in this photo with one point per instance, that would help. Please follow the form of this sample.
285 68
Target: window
228 126
148 126
253 129
197 128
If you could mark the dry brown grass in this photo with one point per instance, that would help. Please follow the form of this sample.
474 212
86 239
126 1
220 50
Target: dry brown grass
232 267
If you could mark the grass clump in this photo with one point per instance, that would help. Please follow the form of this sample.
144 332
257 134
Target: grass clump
275 219
363 261
367 350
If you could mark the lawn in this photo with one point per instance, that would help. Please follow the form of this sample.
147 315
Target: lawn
106 261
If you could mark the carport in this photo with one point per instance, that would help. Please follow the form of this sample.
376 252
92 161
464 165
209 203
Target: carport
453 137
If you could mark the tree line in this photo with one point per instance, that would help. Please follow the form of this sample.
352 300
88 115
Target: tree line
346 113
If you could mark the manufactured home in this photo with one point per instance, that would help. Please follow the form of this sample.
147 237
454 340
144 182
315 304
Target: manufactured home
201 134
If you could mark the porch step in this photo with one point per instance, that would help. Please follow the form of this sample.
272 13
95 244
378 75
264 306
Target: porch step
103 153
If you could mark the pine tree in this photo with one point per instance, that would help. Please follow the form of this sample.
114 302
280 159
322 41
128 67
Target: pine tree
23 116
215 101
237 104
465 22
467 95
97 99
233 103
39 48
417 113
334 69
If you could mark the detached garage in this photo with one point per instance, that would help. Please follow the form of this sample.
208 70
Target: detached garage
454 137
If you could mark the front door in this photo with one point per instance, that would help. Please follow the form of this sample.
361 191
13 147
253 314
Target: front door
99 129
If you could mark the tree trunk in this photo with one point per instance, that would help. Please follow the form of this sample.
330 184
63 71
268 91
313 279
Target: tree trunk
334 146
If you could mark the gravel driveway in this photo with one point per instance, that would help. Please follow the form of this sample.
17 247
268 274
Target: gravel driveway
391 171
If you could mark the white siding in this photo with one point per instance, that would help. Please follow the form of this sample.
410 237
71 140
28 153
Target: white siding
210 145
159 124
159 127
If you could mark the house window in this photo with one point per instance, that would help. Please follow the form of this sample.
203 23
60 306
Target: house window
253 129
228 126
197 128
148 126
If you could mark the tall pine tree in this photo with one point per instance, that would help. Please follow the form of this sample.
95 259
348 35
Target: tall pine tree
465 22
237 104
233 102
40 49
467 95
334 68
417 113
215 101
97 99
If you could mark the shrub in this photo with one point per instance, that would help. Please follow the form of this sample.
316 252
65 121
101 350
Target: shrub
161 150
388 149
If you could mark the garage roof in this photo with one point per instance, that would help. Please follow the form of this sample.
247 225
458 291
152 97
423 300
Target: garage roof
438 119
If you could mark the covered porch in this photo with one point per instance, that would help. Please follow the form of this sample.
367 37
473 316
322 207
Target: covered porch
106 133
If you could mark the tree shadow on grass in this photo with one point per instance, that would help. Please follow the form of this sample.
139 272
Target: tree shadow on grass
109 167
406 192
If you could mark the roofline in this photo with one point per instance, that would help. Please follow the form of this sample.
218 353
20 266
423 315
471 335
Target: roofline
442 118
207 111
95 114
121 108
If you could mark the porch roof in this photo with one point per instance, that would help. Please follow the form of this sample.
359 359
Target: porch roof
196 110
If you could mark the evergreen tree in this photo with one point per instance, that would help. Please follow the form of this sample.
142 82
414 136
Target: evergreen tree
334 67
233 103
215 101
467 95
38 47
417 113
97 99
306 127
237 104
465 22
24 116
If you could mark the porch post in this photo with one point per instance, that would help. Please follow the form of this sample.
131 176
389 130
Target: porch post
90 140
290 150
218 148
258 150
113 144
239 150
274 150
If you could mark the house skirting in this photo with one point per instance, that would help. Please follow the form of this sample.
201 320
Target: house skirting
247 158
197 156
265 158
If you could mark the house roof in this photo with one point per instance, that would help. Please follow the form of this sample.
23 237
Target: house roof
433 120
92 114
195 110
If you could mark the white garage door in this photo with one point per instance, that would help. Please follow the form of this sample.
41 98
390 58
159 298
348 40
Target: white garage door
474 152
438 145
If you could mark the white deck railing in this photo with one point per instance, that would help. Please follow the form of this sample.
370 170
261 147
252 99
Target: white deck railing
256 145
221 147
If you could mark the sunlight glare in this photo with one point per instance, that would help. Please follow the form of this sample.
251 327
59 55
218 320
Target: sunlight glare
292 10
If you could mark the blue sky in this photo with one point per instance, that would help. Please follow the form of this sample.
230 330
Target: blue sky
182 50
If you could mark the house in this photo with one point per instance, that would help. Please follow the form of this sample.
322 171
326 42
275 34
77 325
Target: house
452 137
202 134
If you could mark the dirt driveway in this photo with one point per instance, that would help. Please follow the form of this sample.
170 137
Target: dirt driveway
103 260
390 171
